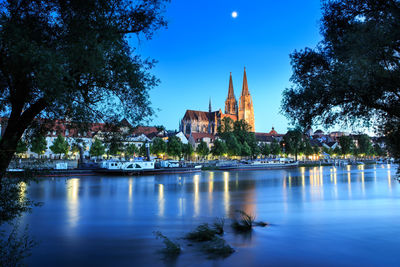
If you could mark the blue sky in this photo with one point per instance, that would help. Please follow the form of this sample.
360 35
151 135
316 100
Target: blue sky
203 43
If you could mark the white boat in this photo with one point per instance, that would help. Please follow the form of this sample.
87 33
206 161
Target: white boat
127 166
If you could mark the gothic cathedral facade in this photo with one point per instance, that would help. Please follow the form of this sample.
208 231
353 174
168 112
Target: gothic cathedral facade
195 121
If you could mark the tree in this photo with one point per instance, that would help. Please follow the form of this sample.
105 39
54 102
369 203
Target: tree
97 149
174 146
225 127
346 144
246 150
143 150
293 142
38 144
337 151
378 151
71 59
131 150
275 148
22 147
265 150
353 74
308 149
365 145
233 146
202 149
187 150
219 148
159 146
60 145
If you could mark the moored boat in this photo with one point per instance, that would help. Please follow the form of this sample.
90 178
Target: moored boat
142 168
260 165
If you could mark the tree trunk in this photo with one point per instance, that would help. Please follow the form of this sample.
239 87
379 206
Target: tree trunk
8 145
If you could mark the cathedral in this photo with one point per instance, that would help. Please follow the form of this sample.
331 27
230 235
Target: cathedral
195 121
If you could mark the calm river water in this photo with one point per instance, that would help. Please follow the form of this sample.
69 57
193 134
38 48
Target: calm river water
319 216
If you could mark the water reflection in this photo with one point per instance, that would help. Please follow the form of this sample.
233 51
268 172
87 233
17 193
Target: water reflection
196 195
309 207
226 192
73 201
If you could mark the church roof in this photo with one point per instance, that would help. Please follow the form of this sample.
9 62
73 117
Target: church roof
197 115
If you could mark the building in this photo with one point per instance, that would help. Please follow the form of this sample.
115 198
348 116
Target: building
195 121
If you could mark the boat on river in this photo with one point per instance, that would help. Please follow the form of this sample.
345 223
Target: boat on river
264 164
143 168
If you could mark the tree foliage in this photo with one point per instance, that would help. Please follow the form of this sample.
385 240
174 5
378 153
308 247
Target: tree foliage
346 144
38 144
97 149
265 149
237 135
158 146
22 146
71 59
202 149
365 145
219 148
353 75
293 141
187 150
60 145
131 150
275 148
174 146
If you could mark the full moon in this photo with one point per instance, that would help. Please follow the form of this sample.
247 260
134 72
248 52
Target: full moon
234 14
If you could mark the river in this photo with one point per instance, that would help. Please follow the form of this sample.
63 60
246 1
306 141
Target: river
318 216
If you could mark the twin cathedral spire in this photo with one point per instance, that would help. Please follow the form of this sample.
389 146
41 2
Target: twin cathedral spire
243 111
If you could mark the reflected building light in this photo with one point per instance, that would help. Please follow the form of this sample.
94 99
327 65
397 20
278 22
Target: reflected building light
349 183
161 200
73 201
348 168
196 195
22 192
362 182
303 180
389 179
290 181
210 192
130 185
335 179
181 206
226 193
130 190
211 183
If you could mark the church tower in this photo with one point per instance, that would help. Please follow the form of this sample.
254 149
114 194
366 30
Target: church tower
246 111
230 102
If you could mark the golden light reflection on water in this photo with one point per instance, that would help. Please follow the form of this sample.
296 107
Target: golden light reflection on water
349 182
22 192
130 190
226 192
389 179
73 201
196 179
161 200
210 191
